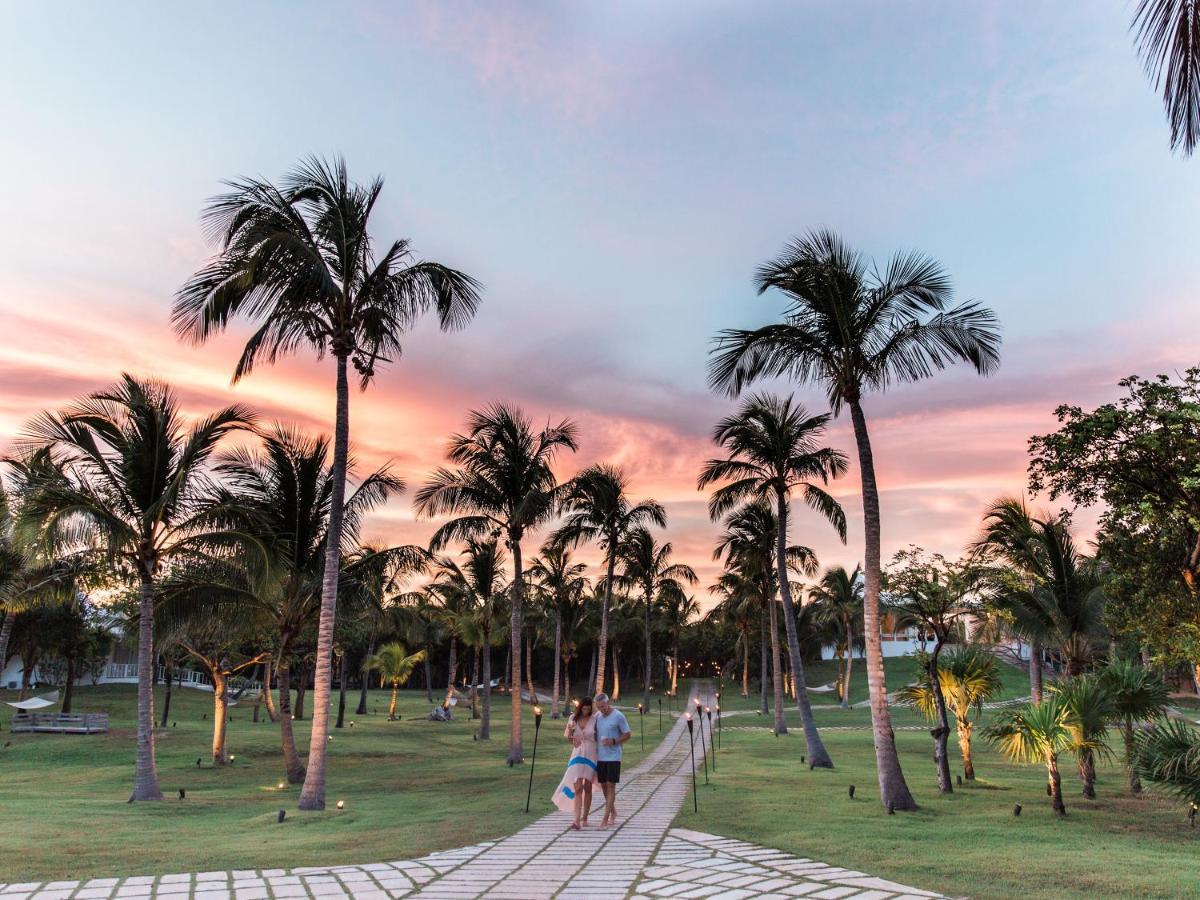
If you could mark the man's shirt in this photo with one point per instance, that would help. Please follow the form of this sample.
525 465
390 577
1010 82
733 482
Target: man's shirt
611 726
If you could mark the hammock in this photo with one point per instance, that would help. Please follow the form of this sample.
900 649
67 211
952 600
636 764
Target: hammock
36 702
824 688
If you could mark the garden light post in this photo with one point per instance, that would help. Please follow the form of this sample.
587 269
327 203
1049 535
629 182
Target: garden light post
642 724
708 713
692 744
537 726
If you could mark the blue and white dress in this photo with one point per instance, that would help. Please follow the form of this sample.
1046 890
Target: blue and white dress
582 763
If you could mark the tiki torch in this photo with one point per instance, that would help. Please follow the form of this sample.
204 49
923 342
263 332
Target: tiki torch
703 746
692 744
708 713
642 724
537 727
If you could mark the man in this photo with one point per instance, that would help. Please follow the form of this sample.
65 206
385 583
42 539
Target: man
611 732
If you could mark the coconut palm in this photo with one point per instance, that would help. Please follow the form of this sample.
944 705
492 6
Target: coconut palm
504 484
837 600
1167 33
737 608
395 666
1137 695
774 449
128 478
1168 754
855 329
646 567
1091 706
561 578
1036 733
298 259
969 677
677 611
598 508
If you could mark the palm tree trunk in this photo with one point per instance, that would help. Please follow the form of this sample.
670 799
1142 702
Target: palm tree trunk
649 657
893 790
1087 774
428 683
69 690
475 683
515 752
392 705
268 697
846 681
764 666
451 668
818 756
5 634
301 691
1056 797
964 746
608 588
592 670
1035 671
777 673
220 714
941 734
1135 783
745 663
145 773
485 723
366 678
312 796
529 669
616 673
167 700
341 716
554 695
287 737
675 666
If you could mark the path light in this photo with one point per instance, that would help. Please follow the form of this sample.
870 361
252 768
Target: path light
232 757
537 726
708 712
692 745
1016 809
341 804
642 723
703 746
718 725
281 786
851 792
279 817
182 794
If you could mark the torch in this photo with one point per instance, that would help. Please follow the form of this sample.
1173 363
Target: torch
537 727
718 725
703 746
692 744
708 713
642 724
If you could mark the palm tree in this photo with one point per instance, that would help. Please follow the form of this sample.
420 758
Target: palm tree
969 678
504 484
128 478
298 258
1087 697
285 490
1168 754
562 579
598 508
646 567
838 602
1137 695
774 449
395 666
1036 733
737 607
1167 33
677 611
855 329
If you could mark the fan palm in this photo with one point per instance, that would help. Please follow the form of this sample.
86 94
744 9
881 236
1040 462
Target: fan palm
838 602
562 579
646 567
598 508
395 666
1091 708
1137 695
504 484
969 677
1168 754
299 259
855 329
1167 33
128 478
1036 733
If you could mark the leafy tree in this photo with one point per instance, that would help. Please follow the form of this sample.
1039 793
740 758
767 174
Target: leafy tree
1036 733
1168 41
395 666
504 484
853 329
298 258
1137 695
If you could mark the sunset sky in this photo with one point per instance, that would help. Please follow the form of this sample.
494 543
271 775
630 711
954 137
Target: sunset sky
612 173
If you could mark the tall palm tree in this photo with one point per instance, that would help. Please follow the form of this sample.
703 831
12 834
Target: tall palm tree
1137 695
774 449
838 602
677 611
737 608
562 579
1167 33
855 329
129 479
969 678
1036 733
395 666
749 544
646 567
598 508
298 258
504 484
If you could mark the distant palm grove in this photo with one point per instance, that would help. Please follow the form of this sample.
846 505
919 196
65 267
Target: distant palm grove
234 546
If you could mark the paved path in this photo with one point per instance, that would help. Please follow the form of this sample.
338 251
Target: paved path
643 857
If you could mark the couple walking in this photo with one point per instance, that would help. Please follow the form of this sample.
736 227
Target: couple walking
596 733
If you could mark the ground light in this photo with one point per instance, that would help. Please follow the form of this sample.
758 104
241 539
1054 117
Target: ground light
642 724
692 745
537 727
341 804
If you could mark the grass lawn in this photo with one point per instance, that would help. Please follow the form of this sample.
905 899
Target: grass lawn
966 844
410 787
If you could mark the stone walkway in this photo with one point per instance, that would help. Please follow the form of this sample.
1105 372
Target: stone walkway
642 857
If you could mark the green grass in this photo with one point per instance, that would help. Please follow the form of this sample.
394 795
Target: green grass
968 843
410 787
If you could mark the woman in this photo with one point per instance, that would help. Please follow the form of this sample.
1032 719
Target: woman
574 792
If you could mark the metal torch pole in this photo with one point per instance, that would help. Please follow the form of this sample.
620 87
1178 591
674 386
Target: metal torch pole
537 727
692 744
703 746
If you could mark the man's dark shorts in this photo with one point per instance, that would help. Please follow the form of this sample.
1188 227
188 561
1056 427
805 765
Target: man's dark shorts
608 771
